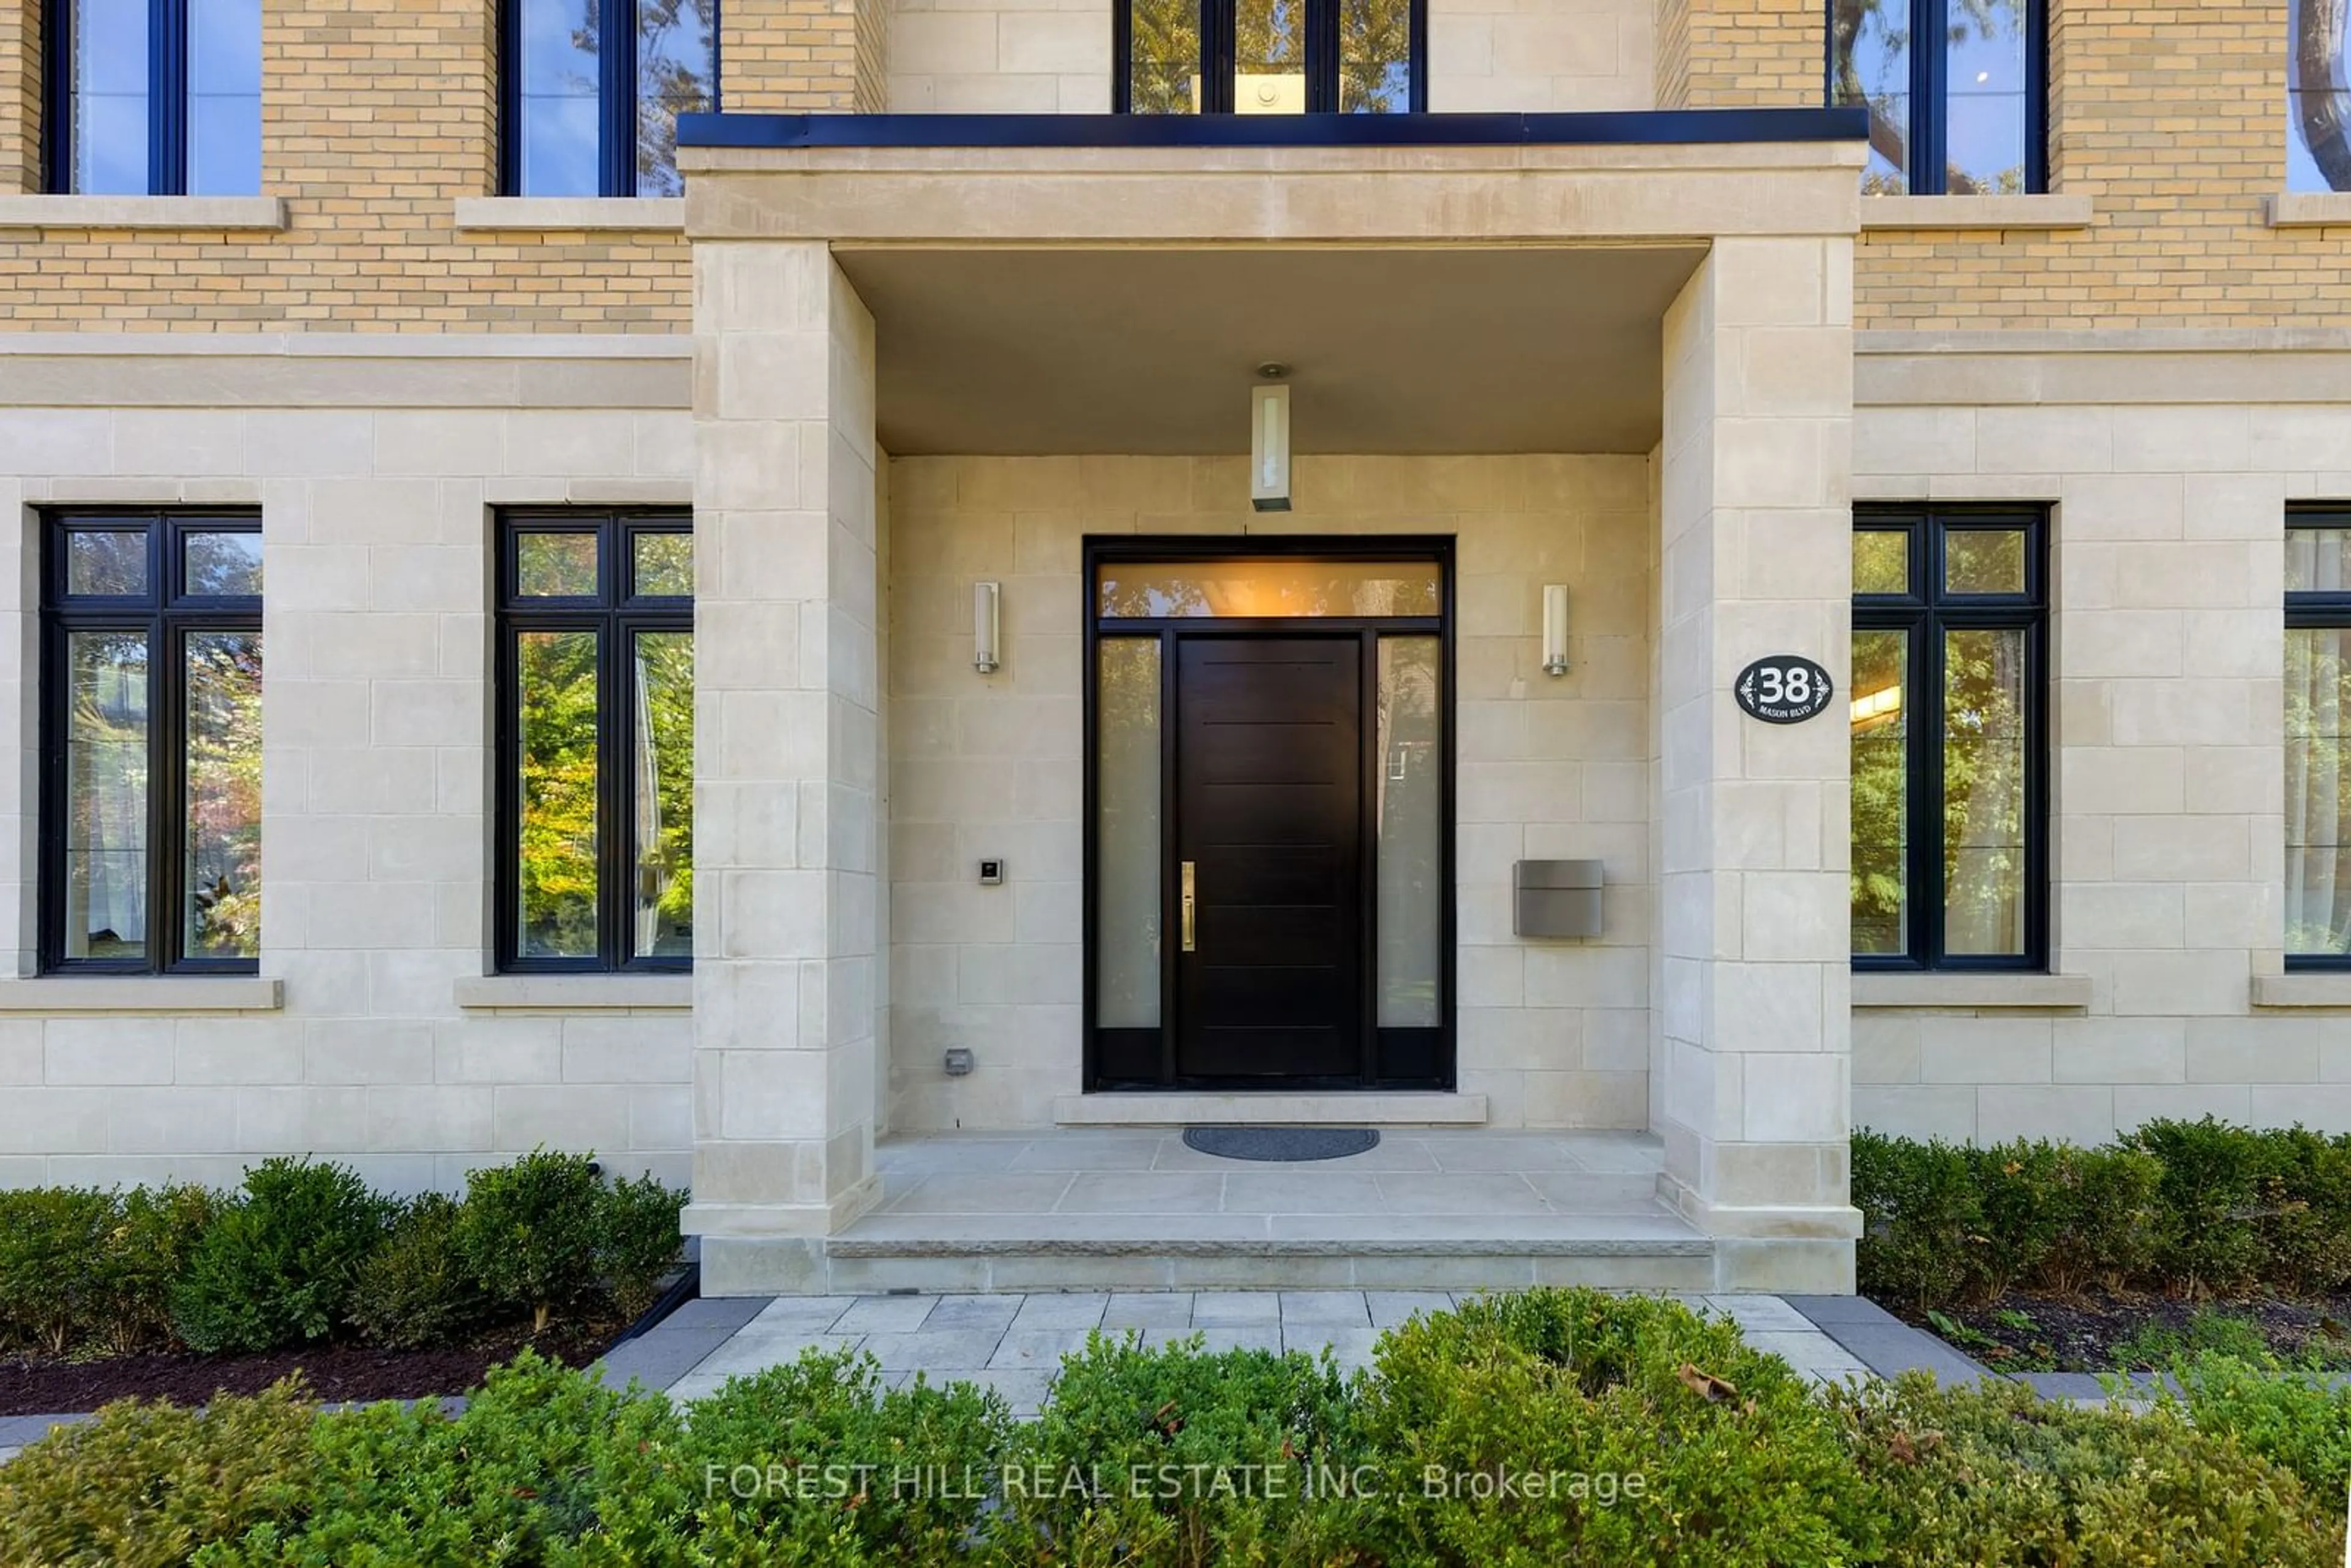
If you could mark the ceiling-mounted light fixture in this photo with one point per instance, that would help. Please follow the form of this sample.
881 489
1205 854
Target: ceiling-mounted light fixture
985 611
1270 440
1554 629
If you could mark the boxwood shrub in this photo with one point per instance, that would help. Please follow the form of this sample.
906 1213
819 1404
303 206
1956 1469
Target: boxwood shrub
306 1251
2185 1208
1738 1460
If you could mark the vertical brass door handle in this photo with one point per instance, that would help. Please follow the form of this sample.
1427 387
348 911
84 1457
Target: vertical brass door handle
1189 944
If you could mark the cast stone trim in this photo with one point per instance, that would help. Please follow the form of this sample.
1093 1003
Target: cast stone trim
2310 209
2067 210
1125 1110
196 213
142 993
569 993
2302 991
1975 992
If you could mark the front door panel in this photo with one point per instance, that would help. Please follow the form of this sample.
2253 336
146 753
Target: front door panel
1269 774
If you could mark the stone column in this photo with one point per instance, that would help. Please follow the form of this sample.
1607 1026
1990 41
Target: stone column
787 753
1755 513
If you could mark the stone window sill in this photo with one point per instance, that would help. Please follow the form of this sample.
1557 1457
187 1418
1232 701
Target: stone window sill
574 993
540 214
1975 992
2040 212
2310 209
143 994
214 213
2304 988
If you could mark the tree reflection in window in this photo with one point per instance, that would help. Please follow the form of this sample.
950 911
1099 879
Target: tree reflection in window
596 718
1280 57
1975 130
2318 103
579 125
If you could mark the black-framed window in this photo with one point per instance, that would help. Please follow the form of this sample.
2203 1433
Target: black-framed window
1949 720
150 722
1271 56
592 91
595 783
2317 763
154 98
1967 118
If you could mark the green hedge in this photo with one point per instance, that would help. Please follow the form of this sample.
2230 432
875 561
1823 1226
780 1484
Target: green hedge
1555 1426
305 1251
2190 1208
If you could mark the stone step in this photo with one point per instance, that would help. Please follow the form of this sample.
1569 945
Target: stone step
1648 1250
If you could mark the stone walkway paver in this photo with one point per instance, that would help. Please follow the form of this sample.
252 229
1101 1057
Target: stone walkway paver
1014 1343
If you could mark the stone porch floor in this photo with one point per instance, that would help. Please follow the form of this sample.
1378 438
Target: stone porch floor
1134 1209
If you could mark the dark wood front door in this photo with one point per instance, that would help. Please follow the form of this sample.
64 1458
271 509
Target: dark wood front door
1268 802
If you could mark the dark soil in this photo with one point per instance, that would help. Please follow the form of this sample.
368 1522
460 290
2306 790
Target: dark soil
2102 1331
32 1386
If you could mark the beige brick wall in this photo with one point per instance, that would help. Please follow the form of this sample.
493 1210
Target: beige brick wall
794 56
376 774
1555 1033
2172 118
20 95
1740 54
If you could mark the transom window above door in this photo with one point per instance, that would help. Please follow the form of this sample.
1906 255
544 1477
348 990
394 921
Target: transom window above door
1272 56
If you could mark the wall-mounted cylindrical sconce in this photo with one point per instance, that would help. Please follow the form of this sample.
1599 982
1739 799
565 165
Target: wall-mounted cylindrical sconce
1269 444
985 625
1554 629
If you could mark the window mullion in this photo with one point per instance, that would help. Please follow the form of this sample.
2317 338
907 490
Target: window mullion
167 98
1928 103
1321 21
617 108
1926 796
1220 27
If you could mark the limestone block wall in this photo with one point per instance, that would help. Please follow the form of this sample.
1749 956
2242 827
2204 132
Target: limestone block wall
1537 55
376 521
1555 1034
2168 729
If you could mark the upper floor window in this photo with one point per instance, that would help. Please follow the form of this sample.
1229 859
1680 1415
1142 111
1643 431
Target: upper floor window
1964 117
595 801
2317 724
2318 103
151 703
593 89
1272 56
155 98
1950 769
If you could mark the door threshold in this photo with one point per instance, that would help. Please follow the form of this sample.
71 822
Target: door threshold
1361 1108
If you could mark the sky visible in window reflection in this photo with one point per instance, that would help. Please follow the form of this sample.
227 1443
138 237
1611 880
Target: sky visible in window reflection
223 97
559 75
110 98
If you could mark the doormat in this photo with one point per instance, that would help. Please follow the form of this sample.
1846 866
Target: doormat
1281 1142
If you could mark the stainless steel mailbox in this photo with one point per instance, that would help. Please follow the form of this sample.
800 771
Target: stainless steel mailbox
1556 898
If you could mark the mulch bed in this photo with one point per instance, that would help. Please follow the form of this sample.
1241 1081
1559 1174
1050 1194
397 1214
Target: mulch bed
334 1372
2094 1331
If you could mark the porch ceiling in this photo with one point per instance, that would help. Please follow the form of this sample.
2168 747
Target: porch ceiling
1025 351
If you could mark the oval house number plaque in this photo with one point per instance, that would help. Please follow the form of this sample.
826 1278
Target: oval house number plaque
1783 688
